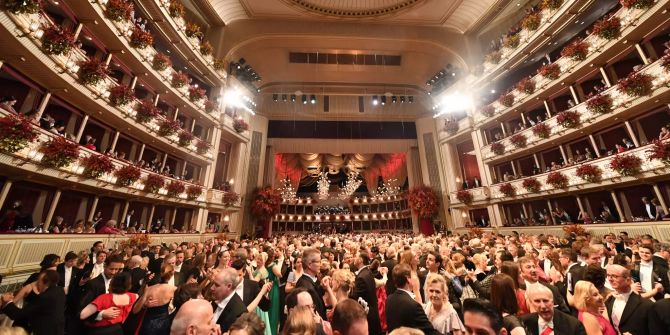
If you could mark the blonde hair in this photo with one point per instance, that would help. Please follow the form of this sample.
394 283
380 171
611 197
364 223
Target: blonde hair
434 278
300 322
406 331
346 279
478 259
582 293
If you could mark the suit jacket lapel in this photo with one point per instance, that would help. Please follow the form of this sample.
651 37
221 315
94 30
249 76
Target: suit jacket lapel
609 303
631 305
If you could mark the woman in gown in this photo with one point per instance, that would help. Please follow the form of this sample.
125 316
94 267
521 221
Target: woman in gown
155 303
274 275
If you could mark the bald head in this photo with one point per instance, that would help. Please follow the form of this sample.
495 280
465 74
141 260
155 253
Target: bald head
194 318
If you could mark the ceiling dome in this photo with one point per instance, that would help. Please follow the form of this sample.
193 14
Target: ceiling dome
354 9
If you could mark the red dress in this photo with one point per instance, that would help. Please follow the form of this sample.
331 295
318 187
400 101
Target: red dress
521 301
105 301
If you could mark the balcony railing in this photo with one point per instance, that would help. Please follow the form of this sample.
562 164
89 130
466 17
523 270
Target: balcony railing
464 125
479 194
216 197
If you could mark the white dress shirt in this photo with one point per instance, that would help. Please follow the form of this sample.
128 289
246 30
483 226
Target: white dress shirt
97 270
68 277
648 208
646 276
541 324
177 268
239 290
221 306
620 301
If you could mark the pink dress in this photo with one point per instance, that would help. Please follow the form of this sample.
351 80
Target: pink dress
605 326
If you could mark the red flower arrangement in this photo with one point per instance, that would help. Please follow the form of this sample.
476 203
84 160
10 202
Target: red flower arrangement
193 30
574 230
202 146
494 57
532 21
175 188
121 95
531 184
153 183
636 84
488 110
451 126
16 132
24 6
195 93
512 41
626 165
506 99
211 106
185 138
179 79
92 71
127 175
168 127
608 28
552 4
206 48
590 173
637 4
146 111
464 196
265 203
96 165
141 39
507 190
475 232
57 40
599 104
497 148
557 180
577 50
219 64
230 198
423 201
193 192
519 140
526 85
139 241
568 119
161 61
59 152
550 71
660 150
176 9
541 130
120 10
240 125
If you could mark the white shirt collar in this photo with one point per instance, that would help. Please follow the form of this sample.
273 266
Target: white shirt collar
411 294
544 324
240 289
359 270
314 279
623 296
221 306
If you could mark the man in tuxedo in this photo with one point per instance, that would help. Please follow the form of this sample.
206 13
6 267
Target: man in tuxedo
547 320
364 288
127 221
137 274
229 306
248 289
401 308
195 317
574 270
67 273
179 261
659 317
604 207
653 278
389 263
530 277
95 249
177 278
649 209
628 312
481 317
311 263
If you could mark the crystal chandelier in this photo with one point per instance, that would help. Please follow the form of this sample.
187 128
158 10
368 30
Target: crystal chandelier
323 185
286 190
350 186
389 188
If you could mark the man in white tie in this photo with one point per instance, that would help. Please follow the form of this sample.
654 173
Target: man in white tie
99 265
547 320
228 305
627 311
651 278
194 318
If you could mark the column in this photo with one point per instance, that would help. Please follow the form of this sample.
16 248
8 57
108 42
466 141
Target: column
546 108
173 218
165 156
176 112
574 94
108 59
579 203
537 161
43 105
94 206
631 134
595 146
657 191
502 126
81 128
133 82
77 31
605 77
565 157
642 54
52 209
151 217
5 190
156 99
124 212
513 168
523 119
192 124
141 153
622 215
112 147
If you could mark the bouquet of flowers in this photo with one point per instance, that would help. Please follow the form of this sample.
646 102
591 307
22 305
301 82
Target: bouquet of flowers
127 175
121 95
161 61
512 41
475 232
494 57
451 126
211 106
193 192
240 125
423 201
488 110
608 28
202 146
153 183
146 111
626 165
193 30
532 21
24 6
599 104
498 148
16 132
179 79
541 130
176 9
185 138
92 71
660 150
59 152
637 4
96 165
552 4
557 180
195 93
206 48
507 190
168 127
120 10
219 64
139 241
141 39
550 71
568 119
519 140
526 85
265 203
577 50
175 188
574 230
464 196
506 99
57 40
230 198
590 173
531 184
636 84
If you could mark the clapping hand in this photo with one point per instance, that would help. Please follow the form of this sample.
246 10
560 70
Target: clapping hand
267 287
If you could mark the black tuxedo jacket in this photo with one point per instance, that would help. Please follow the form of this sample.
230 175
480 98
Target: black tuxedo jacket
564 324
250 290
652 209
635 316
92 290
231 312
364 287
576 273
659 317
136 275
558 298
659 275
403 311
76 272
45 315
316 291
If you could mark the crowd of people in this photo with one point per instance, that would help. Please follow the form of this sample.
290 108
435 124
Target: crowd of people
351 284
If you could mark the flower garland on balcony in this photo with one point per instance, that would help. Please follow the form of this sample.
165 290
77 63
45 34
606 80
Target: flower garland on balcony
127 175
175 188
96 165
240 125
550 71
661 151
193 30
589 173
185 138
636 84
532 21
464 196
219 64
512 41
557 180
531 184
120 10
626 165
574 230
139 241
507 190
16 132
196 94
193 192
167 127
541 130
24 6
506 99
230 198
161 62
59 152
121 95
176 9
519 140
526 85
211 106
608 28
57 40
146 111
179 79
153 183
487 110
599 104
637 4
577 50
265 203
497 148
92 71
423 201
494 57
141 39
568 119
451 126
552 4
206 48
202 146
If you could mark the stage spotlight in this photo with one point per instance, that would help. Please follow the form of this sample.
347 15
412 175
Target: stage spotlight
402 99
304 99
312 99
283 97
275 97
383 100
410 99
394 99
375 100
292 97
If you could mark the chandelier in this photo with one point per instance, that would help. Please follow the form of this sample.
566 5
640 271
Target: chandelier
389 188
323 185
350 186
286 190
